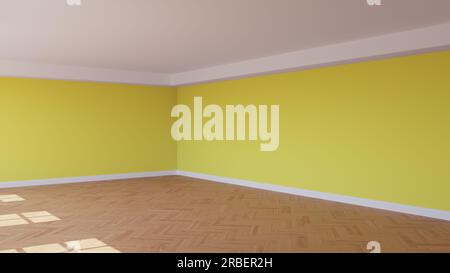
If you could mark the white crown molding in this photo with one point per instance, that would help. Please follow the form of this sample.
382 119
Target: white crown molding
389 45
419 211
82 179
75 73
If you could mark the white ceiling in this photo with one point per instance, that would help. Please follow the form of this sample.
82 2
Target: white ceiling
172 36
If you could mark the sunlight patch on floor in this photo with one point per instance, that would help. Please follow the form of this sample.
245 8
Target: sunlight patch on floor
10 198
50 248
9 251
8 220
91 245
40 216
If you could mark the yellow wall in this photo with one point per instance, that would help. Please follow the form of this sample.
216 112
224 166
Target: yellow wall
54 129
378 130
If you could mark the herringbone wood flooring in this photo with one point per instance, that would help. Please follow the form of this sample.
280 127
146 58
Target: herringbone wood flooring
178 214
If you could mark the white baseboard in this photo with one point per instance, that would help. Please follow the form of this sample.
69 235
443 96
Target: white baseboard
419 211
82 179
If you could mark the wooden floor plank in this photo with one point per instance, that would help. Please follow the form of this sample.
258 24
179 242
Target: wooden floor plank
180 214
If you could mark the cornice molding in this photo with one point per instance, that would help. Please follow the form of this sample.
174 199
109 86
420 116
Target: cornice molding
390 45
77 73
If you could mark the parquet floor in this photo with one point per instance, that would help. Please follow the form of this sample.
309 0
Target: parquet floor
179 214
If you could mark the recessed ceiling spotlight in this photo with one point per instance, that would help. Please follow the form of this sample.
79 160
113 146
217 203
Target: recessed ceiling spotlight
73 2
